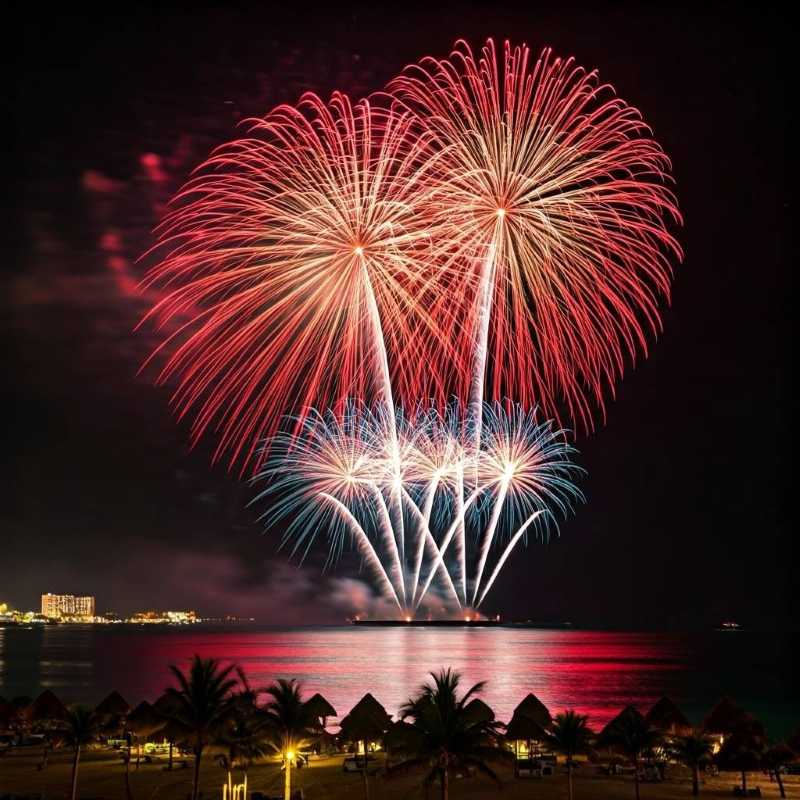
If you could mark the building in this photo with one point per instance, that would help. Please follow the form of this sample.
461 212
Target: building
56 606
165 617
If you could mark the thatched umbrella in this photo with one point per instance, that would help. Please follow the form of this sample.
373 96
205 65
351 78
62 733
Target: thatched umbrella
317 707
8 714
175 733
166 705
46 708
534 708
724 717
619 722
524 729
52 714
366 722
477 711
609 736
401 737
112 712
115 705
668 718
144 721
366 717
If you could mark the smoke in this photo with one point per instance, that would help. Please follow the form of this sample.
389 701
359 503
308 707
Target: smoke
271 591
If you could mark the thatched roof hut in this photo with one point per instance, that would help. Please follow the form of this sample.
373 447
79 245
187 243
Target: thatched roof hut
8 714
525 729
46 707
173 731
144 720
724 717
367 721
477 711
402 737
318 708
114 705
166 705
629 713
668 718
535 709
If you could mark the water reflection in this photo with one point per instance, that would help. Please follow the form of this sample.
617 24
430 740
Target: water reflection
595 672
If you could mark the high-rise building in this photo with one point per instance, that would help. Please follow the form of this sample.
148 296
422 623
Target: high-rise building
56 606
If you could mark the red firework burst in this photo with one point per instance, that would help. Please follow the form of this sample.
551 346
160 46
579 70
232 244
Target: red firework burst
294 261
554 199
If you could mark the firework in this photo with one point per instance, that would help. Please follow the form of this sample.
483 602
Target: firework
295 264
494 227
340 473
555 195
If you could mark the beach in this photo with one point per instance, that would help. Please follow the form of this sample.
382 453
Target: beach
102 775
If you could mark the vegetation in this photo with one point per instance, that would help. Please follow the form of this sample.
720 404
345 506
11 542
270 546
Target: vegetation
202 704
449 736
634 737
743 749
570 735
443 732
289 723
694 751
81 729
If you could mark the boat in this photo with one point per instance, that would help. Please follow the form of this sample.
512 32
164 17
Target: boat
729 626
467 622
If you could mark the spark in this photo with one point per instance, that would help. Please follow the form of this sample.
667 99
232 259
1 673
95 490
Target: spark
339 473
559 212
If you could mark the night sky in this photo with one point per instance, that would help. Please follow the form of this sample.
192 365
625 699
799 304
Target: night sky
687 520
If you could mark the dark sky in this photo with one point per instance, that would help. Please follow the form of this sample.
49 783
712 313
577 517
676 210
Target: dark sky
688 481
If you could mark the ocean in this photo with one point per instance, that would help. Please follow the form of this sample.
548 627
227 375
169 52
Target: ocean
595 672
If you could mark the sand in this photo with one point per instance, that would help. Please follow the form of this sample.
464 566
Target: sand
102 775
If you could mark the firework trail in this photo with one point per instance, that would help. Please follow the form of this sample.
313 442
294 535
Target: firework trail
296 262
337 474
348 250
556 199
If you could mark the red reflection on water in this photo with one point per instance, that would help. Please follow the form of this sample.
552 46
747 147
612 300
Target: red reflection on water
596 673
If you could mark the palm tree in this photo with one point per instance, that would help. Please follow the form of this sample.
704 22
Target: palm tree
570 735
202 703
244 739
633 735
743 749
775 759
449 736
289 722
693 751
81 728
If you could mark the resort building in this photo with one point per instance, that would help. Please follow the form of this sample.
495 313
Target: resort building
168 617
57 606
